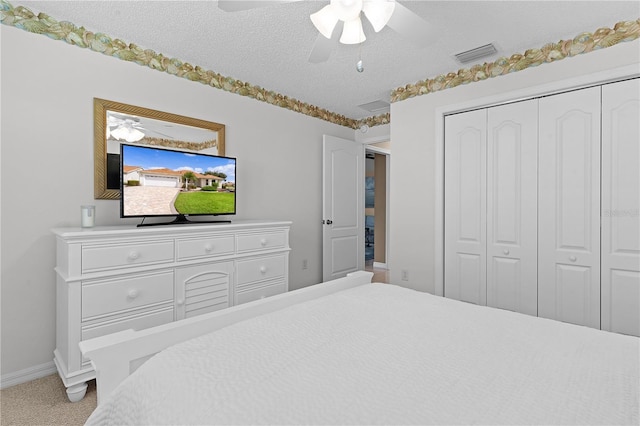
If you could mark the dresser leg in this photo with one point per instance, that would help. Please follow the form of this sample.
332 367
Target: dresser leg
75 393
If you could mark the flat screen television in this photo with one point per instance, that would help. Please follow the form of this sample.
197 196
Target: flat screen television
159 182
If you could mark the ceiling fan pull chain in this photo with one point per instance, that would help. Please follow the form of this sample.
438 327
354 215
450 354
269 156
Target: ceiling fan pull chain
359 65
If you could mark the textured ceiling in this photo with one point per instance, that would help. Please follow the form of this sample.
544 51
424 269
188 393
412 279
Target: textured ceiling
269 46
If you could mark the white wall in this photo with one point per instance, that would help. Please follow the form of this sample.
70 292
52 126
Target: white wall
48 88
413 135
373 134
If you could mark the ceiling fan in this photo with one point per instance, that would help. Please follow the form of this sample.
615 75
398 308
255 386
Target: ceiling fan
124 127
343 18
130 128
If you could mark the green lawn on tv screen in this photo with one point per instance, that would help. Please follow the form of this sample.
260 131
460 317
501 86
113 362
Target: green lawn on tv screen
204 202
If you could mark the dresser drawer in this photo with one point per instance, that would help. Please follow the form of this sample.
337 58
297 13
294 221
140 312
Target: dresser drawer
97 258
252 293
263 268
205 247
261 241
136 322
108 296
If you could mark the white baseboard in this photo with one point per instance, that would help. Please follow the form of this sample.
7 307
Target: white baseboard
28 374
380 265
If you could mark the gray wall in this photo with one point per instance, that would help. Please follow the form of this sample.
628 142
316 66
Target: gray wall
46 158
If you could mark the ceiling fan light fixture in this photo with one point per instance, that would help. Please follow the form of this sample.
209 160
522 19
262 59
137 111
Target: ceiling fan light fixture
128 133
352 32
378 12
135 135
325 20
119 133
347 10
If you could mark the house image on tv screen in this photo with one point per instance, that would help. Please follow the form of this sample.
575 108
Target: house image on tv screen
134 176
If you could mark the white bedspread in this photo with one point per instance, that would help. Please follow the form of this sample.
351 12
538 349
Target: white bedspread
381 354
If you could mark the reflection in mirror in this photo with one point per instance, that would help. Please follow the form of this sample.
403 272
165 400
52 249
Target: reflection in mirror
115 123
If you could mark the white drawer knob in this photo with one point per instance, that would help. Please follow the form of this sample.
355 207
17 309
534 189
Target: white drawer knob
263 242
180 302
133 255
263 269
133 293
573 258
208 248
506 252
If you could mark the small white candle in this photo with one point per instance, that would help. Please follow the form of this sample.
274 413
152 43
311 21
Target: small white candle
88 216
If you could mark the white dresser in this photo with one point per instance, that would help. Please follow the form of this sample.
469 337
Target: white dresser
116 278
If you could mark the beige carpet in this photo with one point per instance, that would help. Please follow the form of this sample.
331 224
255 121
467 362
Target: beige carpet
44 402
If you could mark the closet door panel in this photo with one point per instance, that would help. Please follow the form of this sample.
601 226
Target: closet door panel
574 294
512 180
620 207
465 207
569 207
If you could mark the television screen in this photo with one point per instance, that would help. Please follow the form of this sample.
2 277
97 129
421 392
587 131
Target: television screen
161 182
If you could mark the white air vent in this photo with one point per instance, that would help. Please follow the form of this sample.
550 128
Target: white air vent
375 106
475 54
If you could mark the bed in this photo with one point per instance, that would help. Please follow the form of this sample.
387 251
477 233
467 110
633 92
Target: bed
354 352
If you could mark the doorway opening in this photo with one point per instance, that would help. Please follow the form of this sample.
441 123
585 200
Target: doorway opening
376 209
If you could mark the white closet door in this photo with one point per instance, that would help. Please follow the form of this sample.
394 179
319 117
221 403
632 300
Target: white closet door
569 207
512 198
465 207
620 203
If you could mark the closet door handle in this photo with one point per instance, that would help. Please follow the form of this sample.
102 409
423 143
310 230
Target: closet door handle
506 252
573 258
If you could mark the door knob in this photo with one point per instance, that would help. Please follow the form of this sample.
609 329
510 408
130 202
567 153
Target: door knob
506 252
573 258
329 221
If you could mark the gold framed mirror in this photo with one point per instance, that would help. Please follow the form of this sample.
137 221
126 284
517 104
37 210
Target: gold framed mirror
116 122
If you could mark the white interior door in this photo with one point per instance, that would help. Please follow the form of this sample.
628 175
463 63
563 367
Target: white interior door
343 207
620 203
512 198
465 207
569 207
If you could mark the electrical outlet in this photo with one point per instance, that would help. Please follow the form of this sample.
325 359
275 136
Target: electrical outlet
305 264
405 275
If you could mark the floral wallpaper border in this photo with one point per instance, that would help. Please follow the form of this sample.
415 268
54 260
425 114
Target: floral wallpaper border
583 43
23 18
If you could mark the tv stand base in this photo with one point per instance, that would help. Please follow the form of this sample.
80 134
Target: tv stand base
181 220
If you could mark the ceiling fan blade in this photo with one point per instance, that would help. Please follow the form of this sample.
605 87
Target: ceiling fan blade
238 5
322 49
323 46
378 13
411 26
